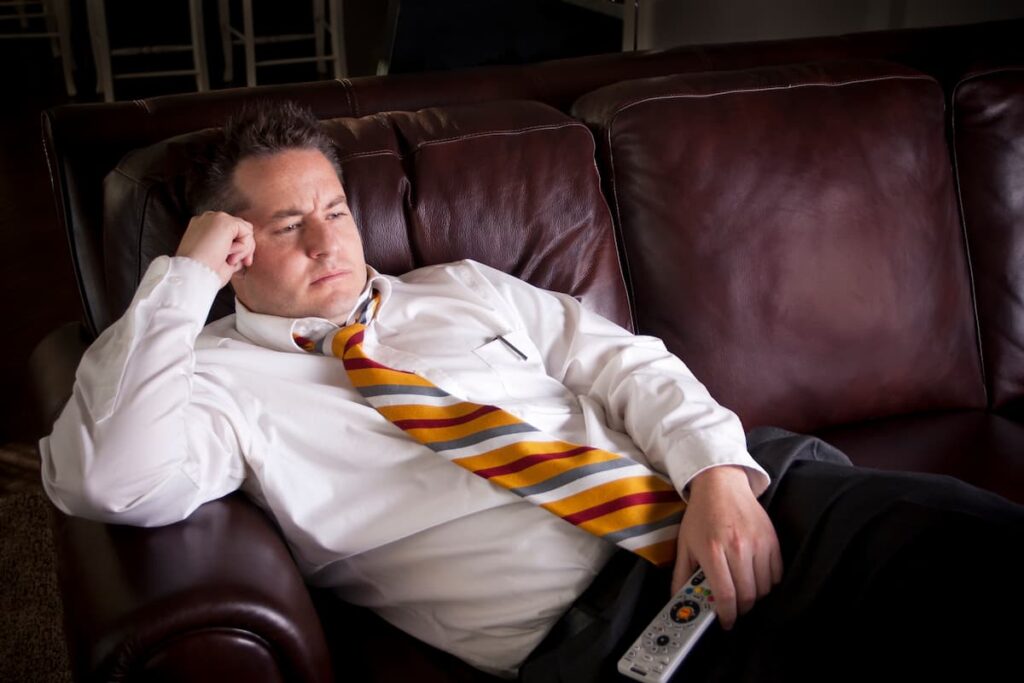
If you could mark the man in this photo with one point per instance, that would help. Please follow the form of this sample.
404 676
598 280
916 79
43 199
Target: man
167 415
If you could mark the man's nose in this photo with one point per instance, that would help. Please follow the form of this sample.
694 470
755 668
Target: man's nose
321 238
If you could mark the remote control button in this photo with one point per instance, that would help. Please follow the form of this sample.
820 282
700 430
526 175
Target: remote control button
711 598
685 611
697 578
664 640
688 591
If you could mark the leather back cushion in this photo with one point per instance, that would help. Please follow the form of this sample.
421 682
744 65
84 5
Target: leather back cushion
988 124
792 233
510 184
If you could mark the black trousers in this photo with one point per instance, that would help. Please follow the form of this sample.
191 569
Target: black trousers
888 576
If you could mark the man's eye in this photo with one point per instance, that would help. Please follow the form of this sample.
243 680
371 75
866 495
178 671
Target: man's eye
335 215
289 228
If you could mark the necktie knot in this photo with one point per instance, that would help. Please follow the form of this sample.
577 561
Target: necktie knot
346 341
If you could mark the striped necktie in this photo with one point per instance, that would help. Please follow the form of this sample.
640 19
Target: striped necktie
606 494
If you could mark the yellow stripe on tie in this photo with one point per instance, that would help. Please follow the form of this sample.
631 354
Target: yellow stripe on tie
634 515
371 377
543 471
512 452
497 418
605 492
423 412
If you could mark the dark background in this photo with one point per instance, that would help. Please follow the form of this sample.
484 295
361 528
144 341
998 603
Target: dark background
37 287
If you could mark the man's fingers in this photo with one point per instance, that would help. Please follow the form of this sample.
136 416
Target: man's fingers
776 564
716 568
241 250
744 579
763 573
220 241
684 568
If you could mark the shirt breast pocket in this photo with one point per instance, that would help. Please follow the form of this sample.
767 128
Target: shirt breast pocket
517 363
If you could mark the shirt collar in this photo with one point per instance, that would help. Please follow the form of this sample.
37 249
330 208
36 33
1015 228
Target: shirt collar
276 332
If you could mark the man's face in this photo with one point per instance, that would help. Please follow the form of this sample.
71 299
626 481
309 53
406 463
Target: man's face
309 257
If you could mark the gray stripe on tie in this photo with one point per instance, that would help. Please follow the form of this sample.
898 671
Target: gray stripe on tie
641 529
486 434
572 475
391 389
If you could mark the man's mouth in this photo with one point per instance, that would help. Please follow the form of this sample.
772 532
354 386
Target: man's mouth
327 277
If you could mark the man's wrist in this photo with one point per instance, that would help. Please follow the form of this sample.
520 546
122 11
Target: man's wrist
188 285
719 475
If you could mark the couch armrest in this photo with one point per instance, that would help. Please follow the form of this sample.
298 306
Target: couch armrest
52 367
216 597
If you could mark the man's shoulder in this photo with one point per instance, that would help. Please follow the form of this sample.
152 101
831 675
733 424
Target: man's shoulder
465 270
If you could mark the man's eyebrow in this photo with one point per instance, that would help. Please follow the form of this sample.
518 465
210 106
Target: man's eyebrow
285 213
295 211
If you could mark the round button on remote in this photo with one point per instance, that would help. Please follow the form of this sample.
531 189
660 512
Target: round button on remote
663 640
685 611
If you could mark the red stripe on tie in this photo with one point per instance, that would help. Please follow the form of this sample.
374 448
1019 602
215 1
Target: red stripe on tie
304 343
643 498
413 423
356 338
528 461
364 363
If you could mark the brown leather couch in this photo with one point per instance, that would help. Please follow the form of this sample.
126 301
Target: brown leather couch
829 232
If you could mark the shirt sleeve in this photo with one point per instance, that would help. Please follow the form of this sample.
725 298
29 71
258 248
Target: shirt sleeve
644 390
142 439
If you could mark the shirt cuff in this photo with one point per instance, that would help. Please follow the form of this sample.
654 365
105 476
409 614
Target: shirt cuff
180 282
696 455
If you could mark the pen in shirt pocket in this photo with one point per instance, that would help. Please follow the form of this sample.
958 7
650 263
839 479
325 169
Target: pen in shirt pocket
511 346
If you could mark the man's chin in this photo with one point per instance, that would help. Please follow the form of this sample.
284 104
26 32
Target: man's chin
336 309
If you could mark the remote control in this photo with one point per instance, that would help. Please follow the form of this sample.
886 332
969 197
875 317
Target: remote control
660 649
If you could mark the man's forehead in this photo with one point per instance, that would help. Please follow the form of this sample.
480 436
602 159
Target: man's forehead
280 181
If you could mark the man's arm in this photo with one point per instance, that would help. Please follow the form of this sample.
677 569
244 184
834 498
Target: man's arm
650 394
142 440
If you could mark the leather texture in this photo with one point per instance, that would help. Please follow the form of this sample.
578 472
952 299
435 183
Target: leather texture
988 129
222 585
792 233
981 448
52 369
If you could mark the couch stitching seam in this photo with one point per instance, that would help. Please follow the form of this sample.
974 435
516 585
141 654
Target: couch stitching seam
675 96
624 258
520 131
373 153
967 245
986 72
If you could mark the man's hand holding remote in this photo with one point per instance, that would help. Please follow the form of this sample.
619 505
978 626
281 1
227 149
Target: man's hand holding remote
729 535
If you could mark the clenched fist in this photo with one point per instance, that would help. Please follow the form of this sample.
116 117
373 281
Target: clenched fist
220 241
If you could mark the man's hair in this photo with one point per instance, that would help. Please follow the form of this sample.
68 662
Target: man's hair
261 128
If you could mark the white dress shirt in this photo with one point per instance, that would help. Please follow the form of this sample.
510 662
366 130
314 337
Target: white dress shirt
167 415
